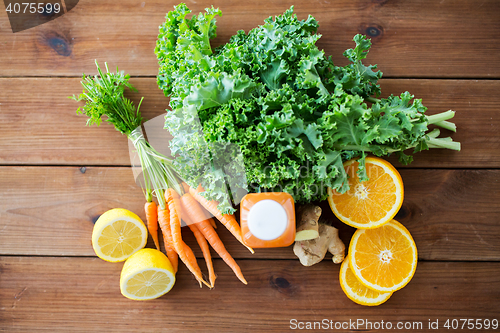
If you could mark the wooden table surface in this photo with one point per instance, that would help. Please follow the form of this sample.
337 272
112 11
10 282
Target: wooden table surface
57 175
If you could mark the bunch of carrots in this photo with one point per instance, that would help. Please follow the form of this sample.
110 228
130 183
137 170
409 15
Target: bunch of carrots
103 95
193 208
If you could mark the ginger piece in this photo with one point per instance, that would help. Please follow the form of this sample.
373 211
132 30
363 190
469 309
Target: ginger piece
312 251
337 248
307 222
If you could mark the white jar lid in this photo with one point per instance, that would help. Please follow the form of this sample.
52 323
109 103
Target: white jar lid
267 219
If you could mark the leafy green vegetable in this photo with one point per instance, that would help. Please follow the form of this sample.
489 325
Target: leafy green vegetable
273 98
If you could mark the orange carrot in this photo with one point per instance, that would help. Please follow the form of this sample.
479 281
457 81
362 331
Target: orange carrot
207 214
202 242
192 208
204 248
152 220
182 249
228 220
175 219
214 240
190 260
164 222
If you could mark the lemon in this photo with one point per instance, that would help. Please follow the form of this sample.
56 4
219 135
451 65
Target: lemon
356 291
147 274
117 234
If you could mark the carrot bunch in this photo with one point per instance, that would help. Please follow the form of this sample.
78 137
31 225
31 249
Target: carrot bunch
103 95
193 209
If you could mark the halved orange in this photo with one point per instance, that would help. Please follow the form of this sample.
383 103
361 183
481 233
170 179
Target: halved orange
372 203
356 291
383 259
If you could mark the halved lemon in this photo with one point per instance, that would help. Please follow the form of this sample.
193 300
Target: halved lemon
383 259
372 203
147 274
117 234
356 291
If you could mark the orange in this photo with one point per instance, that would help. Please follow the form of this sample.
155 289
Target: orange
383 259
356 291
372 203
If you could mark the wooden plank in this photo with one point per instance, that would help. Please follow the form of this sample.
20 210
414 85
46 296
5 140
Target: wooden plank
39 124
452 214
83 295
412 39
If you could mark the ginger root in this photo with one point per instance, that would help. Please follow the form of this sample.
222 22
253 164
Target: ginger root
312 251
307 222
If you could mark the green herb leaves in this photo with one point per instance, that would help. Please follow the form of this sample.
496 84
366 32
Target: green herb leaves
103 96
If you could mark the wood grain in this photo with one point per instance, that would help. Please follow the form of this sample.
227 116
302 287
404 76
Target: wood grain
83 295
452 214
411 38
39 124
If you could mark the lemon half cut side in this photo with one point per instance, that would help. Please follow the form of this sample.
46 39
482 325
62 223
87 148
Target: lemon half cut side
117 234
147 274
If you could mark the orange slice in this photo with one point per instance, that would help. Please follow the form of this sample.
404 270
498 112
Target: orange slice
368 204
383 259
356 291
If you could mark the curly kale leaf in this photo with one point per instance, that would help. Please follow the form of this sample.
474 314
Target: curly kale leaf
183 49
356 78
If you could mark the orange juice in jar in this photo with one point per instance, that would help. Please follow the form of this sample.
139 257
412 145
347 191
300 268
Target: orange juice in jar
267 219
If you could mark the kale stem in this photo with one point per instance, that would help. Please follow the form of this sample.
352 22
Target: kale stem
372 99
447 125
432 141
443 143
434 133
439 117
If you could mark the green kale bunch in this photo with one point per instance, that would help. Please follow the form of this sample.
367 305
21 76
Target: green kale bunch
274 102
